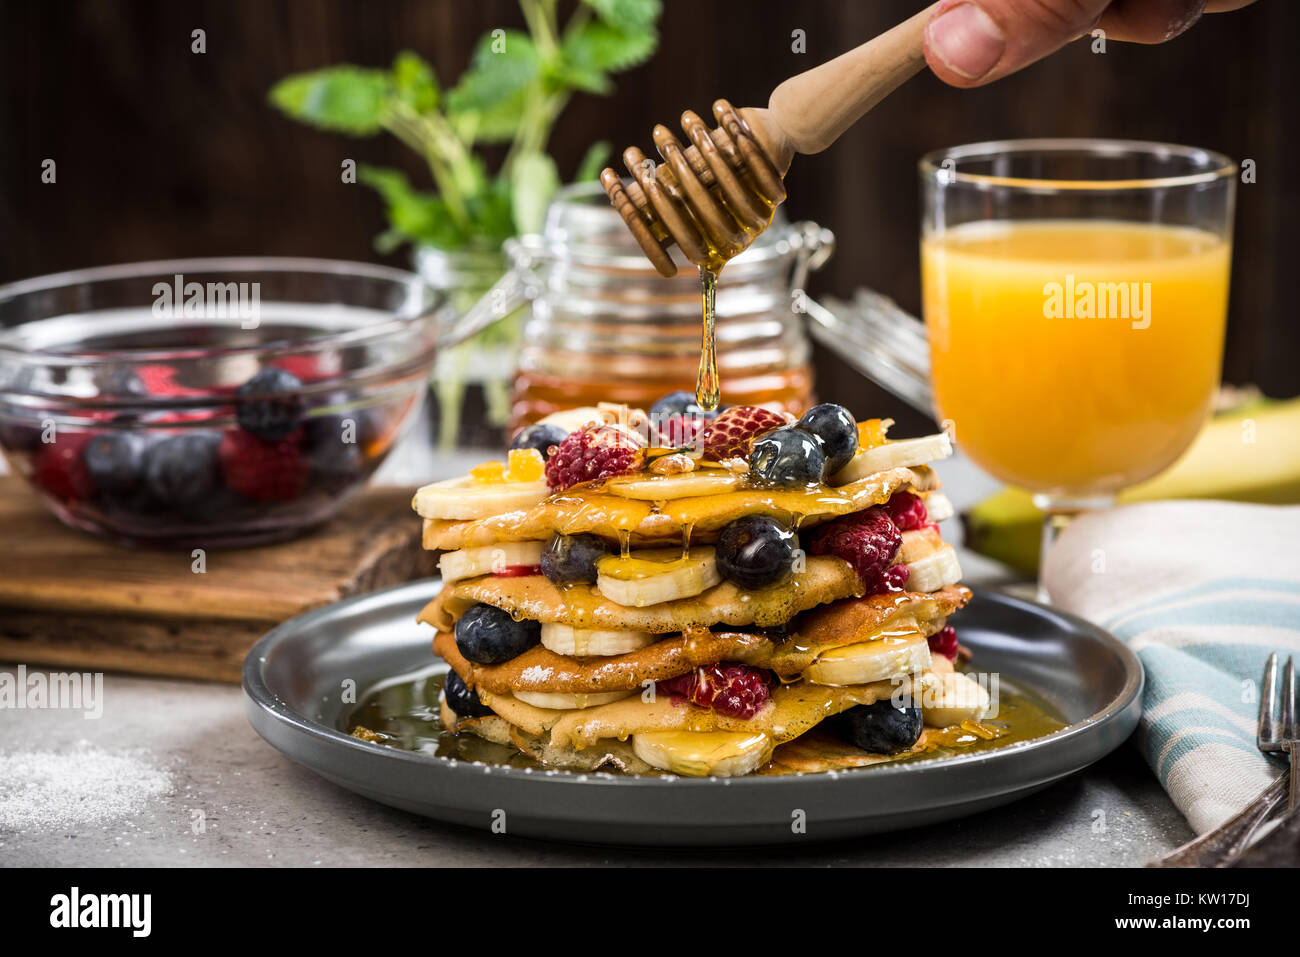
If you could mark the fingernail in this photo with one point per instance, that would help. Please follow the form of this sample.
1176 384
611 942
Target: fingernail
967 40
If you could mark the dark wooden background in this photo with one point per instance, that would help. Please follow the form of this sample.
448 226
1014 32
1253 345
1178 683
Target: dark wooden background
162 152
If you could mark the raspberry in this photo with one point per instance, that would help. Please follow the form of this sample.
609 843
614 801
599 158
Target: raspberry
736 691
732 433
868 540
518 571
160 380
263 471
676 419
895 577
681 429
593 453
59 468
944 642
908 511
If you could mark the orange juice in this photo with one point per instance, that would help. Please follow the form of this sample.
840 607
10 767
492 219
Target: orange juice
1074 358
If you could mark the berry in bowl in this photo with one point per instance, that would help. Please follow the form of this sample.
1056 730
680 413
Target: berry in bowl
210 402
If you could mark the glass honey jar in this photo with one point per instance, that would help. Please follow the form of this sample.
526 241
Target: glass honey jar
605 326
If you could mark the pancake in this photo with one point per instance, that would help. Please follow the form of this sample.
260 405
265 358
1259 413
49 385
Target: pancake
609 756
818 750
614 517
863 619
824 579
790 711
822 750
541 670
845 623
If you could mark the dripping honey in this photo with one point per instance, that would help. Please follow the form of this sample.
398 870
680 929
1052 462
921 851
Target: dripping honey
708 385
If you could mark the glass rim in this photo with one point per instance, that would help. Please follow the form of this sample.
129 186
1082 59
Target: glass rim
430 307
1219 166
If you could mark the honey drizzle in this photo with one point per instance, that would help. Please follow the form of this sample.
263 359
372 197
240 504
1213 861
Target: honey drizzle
708 387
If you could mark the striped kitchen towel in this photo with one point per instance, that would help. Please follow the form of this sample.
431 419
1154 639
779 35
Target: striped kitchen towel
1203 592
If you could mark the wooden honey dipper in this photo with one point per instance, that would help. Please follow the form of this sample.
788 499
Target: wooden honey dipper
714 197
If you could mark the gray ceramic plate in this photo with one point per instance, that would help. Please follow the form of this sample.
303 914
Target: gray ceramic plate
293 677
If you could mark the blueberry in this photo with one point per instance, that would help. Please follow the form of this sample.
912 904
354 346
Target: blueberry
675 403
486 635
756 550
540 437
787 456
834 426
19 436
461 700
678 417
271 417
115 461
881 728
182 471
335 447
569 559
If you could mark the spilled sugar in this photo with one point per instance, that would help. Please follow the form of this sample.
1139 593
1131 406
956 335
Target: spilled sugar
52 790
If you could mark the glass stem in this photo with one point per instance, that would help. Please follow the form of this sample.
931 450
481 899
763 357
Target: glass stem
1058 512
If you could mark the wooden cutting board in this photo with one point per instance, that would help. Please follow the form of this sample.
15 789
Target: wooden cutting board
71 600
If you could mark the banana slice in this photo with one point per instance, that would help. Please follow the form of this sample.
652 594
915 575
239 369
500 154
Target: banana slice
952 699
663 488
571 420
702 753
656 575
579 642
918 544
934 571
939 507
904 453
473 562
465 498
559 701
878 660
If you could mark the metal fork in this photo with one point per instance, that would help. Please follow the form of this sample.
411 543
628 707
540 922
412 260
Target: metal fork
1226 843
1273 737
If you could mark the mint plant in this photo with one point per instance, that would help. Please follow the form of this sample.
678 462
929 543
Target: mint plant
516 86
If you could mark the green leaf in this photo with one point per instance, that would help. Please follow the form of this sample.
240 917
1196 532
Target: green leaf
492 214
577 64
598 47
414 82
414 215
627 14
533 179
564 73
593 161
498 123
501 68
343 99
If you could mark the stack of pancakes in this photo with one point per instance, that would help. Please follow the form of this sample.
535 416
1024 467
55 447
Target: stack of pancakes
824 645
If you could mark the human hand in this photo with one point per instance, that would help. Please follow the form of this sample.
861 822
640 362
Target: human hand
973 42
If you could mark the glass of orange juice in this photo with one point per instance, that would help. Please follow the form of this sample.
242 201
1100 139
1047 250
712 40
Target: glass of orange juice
1075 295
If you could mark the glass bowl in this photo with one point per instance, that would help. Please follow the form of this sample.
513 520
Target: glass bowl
210 402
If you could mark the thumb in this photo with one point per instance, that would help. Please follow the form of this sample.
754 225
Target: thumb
973 42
